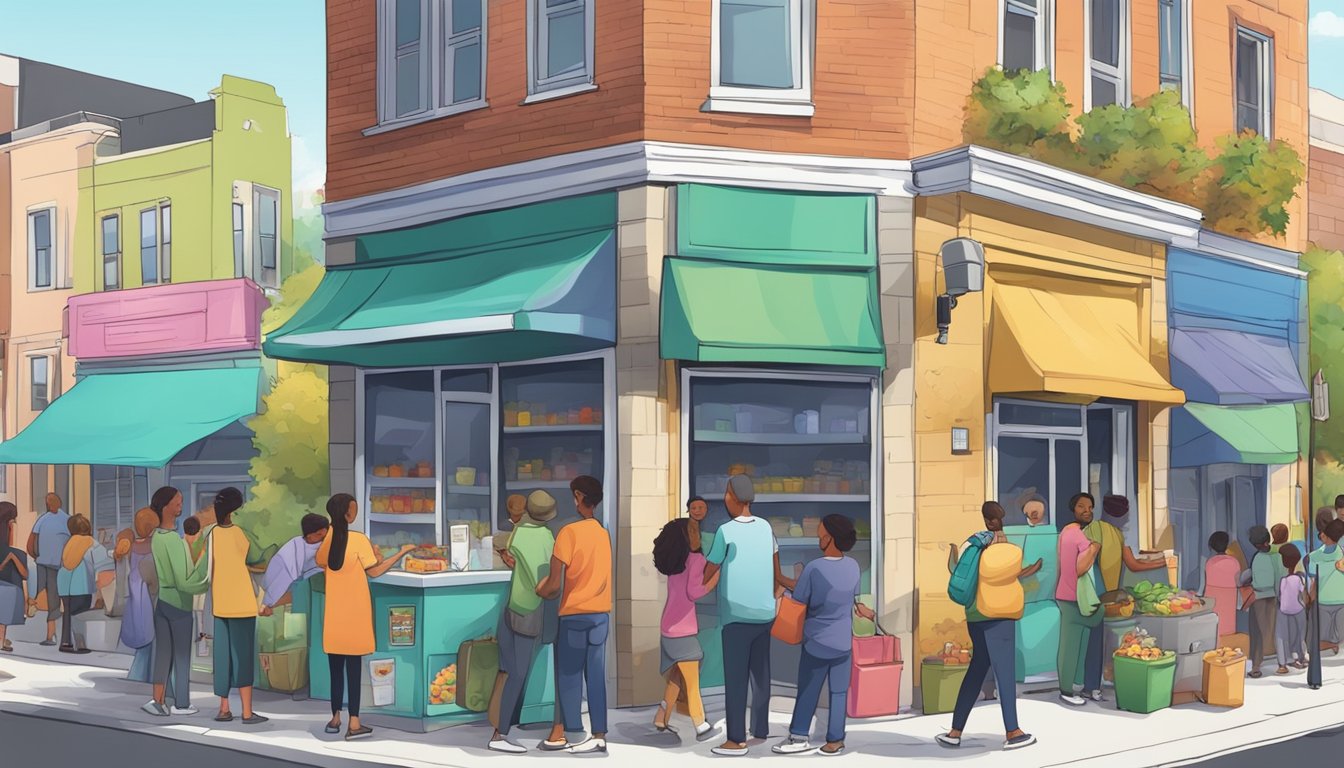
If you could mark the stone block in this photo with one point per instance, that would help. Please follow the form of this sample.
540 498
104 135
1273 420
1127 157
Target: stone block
339 252
341 391
894 243
340 373
343 480
638 322
342 457
632 235
643 202
635 293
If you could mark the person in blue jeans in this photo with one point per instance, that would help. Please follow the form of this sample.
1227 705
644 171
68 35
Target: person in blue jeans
829 587
746 554
992 621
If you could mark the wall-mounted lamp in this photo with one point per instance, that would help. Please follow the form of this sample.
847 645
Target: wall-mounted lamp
963 273
961 441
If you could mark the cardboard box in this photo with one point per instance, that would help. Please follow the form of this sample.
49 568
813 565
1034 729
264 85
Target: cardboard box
1238 640
285 671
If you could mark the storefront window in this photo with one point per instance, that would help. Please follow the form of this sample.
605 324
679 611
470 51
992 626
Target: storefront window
399 454
117 493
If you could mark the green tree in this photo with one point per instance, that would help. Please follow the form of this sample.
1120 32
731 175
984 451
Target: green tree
1151 147
1254 182
1024 113
1325 290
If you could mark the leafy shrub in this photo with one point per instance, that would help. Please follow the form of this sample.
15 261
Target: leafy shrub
1254 181
1024 113
1151 147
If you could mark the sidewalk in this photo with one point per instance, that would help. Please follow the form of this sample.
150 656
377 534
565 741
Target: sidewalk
1277 708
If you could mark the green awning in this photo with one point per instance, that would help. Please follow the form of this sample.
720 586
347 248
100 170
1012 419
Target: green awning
1246 434
716 311
536 300
135 419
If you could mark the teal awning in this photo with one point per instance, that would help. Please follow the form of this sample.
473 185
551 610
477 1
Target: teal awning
541 299
1205 434
135 419
715 311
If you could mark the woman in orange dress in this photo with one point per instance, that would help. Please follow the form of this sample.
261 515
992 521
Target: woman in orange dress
1222 575
349 560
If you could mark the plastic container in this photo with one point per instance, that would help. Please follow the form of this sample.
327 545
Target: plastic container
939 686
1144 686
1224 682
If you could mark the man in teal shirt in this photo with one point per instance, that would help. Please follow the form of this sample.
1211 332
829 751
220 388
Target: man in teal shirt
745 550
1265 610
1324 564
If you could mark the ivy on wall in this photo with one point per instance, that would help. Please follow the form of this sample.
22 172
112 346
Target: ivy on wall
1243 188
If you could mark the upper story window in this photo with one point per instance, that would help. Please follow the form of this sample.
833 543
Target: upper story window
39 381
1027 40
41 249
431 59
266 237
111 250
1254 82
239 242
1108 53
559 47
1173 30
156 244
761 59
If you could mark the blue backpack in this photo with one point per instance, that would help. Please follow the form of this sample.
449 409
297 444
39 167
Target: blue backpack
965 577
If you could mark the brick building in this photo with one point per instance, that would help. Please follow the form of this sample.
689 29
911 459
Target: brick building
653 153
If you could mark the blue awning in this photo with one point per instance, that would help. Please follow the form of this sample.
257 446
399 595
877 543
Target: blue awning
1225 367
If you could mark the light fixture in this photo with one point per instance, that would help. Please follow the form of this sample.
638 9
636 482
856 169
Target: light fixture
247 125
963 273
961 441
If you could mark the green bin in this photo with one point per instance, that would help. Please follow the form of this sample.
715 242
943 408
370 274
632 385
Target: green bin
1144 686
939 686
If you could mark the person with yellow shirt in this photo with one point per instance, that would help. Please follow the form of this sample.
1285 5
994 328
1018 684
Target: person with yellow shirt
228 552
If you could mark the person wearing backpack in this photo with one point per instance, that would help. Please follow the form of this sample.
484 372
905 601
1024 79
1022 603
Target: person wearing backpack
992 613
1290 631
1077 555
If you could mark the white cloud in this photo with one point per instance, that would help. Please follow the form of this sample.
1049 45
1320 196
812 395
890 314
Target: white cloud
309 174
1327 24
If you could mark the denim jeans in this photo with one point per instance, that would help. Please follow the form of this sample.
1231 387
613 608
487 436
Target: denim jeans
582 659
994 644
172 651
812 672
746 663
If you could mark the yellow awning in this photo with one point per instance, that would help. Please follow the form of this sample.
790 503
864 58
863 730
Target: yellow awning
1072 338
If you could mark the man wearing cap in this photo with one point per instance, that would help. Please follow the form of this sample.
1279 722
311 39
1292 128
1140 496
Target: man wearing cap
521 627
748 555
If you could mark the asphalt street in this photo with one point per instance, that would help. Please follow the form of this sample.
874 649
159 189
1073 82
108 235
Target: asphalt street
1319 748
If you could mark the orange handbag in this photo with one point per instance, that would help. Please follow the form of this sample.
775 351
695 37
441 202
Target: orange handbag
789 619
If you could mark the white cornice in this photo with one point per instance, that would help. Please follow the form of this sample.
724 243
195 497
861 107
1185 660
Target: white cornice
1041 187
608 168
1265 257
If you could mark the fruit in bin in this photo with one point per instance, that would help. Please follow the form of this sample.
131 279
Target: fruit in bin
443 688
380 471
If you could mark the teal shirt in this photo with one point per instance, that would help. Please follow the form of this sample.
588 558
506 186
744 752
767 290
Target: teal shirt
745 548
179 581
1331 591
1264 576
531 545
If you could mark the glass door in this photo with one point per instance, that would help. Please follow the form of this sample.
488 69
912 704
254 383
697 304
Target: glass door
467 470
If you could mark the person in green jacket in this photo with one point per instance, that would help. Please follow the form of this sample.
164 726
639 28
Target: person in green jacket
179 581
1262 577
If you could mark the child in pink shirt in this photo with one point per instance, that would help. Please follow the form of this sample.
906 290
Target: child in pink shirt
678 557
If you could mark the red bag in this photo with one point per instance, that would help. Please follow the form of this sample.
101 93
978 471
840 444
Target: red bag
789 620
874 677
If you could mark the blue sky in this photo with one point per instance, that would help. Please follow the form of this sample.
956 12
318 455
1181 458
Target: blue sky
185 45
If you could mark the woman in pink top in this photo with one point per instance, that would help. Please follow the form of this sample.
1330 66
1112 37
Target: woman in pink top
1221 575
676 555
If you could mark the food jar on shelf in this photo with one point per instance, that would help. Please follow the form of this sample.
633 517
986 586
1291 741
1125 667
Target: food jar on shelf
466 476
585 415
510 414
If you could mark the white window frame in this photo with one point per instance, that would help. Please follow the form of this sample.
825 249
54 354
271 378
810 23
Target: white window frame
238 237
1265 66
544 89
436 45
1182 9
1120 76
1044 15
46 359
53 280
793 102
118 254
162 245
258 271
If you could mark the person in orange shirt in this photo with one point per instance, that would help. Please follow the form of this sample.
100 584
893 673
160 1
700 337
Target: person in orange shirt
349 560
582 562
234 601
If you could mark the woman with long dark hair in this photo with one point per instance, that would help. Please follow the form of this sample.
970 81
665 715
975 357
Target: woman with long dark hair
234 601
13 573
684 566
349 560
179 582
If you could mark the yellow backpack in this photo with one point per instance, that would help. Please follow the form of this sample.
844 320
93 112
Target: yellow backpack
999 594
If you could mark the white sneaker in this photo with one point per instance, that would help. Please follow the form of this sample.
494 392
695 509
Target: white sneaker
704 731
504 745
591 744
1096 695
154 708
1072 699
184 710
794 745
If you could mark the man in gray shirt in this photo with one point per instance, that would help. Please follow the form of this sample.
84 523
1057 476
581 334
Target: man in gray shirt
50 534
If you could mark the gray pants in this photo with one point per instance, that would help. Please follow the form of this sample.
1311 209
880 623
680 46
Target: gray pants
46 580
172 650
516 655
1330 619
1263 614
1290 637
